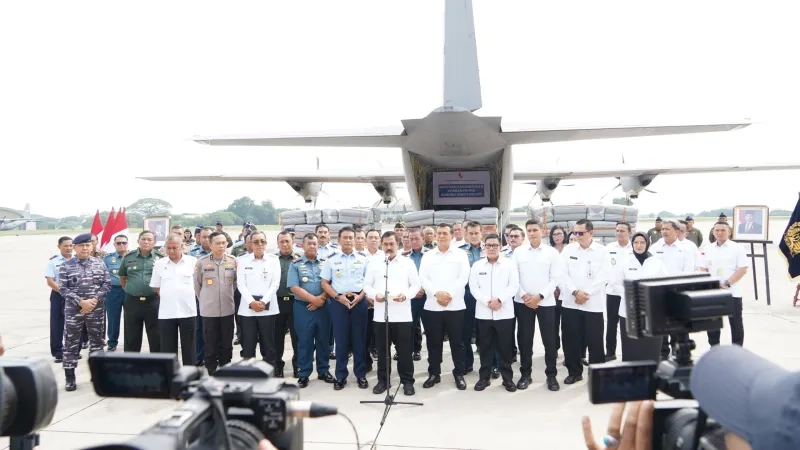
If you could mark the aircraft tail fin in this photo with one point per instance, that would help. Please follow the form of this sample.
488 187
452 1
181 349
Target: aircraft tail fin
27 211
462 82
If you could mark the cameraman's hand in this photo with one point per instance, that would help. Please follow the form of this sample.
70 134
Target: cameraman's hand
638 432
266 445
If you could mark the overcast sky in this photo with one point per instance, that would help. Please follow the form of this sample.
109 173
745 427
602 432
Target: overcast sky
95 93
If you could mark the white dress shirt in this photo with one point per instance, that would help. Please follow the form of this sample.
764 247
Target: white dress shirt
402 279
540 272
444 272
258 277
633 270
722 261
585 270
494 280
378 256
176 288
677 258
617 255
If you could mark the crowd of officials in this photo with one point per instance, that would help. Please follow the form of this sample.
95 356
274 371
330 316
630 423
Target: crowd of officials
201 294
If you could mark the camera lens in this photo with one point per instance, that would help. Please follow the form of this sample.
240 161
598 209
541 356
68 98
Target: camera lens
244 436
679 429
8 408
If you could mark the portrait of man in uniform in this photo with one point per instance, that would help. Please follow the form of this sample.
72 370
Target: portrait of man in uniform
751 222
160 228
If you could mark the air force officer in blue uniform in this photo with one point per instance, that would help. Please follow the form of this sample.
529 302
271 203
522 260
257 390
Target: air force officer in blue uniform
343 281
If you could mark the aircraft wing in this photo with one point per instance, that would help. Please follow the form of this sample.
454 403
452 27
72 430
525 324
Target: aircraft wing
361 138
542 135
311 177
634 172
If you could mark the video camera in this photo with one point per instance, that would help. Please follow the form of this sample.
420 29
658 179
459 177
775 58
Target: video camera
238 407
28 400
657 307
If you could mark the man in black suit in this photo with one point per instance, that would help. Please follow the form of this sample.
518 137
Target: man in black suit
749 226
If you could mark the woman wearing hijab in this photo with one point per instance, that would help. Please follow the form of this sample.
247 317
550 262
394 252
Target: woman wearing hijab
639 264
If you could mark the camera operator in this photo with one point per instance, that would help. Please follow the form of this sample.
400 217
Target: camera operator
754 400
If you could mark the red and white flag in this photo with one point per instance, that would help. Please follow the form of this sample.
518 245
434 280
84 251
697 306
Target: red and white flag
113 229
97 226
109 221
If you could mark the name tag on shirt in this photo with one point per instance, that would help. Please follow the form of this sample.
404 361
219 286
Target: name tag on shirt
573 257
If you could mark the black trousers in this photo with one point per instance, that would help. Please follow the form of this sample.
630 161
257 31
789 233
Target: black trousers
496 337
261 330
558 324
401 333
581 327
612 319
140 313
237 299
526 323
168 334
737 327
642 349
218 336
437 324
285 320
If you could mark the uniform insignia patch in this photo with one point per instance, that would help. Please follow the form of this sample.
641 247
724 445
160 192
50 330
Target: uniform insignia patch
208 266
304 280
209 282
338 274
134 267
114 271
113 260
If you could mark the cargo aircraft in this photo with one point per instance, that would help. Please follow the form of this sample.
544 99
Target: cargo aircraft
455 159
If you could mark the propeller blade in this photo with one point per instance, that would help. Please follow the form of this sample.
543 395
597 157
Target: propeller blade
612 190
652 192
572 184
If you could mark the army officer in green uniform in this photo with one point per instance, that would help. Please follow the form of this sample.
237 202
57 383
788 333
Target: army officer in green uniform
141 302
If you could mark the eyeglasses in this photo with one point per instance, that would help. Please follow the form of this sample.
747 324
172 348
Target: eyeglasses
491 245
579 233
259 242
120 243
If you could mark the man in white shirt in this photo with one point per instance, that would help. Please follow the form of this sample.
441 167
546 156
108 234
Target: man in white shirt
586 272
678 260
373 251
494 281
258 278
444 274
458 235
540 270
727 261
177 312
402 282
618 253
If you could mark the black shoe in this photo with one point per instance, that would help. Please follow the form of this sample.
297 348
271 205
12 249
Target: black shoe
460 383
552 384
416 357
70 384
467 370
328 378
380 388
572 379
524 382
362 382
278 373
482 384
373 353
296 372
495 373
302 382
394 357
236 341
59 359
408 389
332 356
339 385
514 359
431 381
112 348
211 371
585 362
611 358
510 386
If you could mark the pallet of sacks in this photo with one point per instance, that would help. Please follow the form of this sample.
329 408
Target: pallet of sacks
305 222
603 217
429 217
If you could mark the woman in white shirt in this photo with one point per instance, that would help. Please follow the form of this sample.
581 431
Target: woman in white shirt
639 264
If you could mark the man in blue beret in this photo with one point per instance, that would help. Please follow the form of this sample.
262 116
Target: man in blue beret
83 281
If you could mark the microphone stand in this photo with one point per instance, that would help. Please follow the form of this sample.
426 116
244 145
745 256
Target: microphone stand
389 399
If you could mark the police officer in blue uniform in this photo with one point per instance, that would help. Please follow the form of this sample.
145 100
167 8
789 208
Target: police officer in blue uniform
415 253
343 281
84 282
312 319
57 301
116 296
475 251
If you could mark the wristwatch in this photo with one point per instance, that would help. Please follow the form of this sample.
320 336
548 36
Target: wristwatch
541 296
726 283
575 292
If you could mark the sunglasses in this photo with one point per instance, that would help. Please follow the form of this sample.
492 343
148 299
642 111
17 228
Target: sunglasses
259 242
579 233
120 243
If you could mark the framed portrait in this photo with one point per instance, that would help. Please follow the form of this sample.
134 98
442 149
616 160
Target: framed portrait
159 225
750 223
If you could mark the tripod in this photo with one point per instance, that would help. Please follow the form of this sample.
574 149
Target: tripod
389 399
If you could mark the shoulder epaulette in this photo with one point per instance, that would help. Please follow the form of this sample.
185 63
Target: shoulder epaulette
362 254
203 257
406 253
54 257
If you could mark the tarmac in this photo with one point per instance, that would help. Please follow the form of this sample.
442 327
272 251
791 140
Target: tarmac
449 419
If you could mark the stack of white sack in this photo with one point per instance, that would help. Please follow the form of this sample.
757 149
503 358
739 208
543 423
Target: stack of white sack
304 222
429 217
604 218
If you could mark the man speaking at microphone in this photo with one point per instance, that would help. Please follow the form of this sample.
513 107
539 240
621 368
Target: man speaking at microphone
399 277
